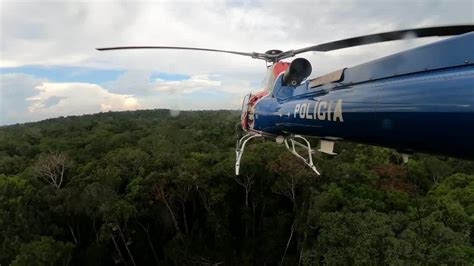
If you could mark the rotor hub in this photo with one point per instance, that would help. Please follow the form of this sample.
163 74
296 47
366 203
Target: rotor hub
273 52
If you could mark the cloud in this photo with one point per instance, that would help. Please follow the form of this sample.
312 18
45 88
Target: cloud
194 83
26 98
149 84
136 82
51 101
58 32
67 32
78 98
14 89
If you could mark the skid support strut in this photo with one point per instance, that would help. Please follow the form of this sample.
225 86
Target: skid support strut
292 148
239 149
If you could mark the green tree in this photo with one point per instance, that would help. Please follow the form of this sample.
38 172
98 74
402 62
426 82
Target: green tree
44 251
17 224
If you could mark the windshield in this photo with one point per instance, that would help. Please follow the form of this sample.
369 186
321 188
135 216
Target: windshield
269 79
245 103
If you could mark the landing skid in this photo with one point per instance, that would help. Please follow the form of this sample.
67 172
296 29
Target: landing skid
290 142
307 146
239 149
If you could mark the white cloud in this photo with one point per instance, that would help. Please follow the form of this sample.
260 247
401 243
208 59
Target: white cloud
78 98
194 83
198 92
136 82
14 89
25 98
53 32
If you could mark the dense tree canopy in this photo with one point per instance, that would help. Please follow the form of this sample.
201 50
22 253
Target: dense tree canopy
145 187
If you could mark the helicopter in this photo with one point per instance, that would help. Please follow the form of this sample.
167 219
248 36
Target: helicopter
421 99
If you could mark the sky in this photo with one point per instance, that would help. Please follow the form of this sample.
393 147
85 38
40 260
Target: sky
49 66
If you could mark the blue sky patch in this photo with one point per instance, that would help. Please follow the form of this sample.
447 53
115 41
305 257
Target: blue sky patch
66 73
82 74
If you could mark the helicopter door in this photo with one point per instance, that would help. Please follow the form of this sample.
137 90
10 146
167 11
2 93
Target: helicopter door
244 114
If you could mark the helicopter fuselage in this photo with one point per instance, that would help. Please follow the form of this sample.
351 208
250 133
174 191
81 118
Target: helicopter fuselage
417 100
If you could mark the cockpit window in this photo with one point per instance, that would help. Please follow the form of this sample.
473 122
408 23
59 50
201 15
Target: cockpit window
245 103
269 79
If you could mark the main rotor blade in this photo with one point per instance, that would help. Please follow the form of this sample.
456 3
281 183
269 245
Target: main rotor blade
329 46
382 37
253 54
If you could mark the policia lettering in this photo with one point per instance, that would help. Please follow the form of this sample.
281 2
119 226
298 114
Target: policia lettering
322 110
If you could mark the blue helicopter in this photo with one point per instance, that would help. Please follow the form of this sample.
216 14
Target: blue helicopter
420 99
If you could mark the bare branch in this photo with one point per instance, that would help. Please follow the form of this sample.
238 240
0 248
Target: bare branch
52 166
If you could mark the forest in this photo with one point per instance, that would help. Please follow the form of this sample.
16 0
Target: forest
152 187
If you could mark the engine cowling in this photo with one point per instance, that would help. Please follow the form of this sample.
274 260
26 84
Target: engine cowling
298 70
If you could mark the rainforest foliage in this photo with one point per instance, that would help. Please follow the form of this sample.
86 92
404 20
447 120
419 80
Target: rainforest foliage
148 188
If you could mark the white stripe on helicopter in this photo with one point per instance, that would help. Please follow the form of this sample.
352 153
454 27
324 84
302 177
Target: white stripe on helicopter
322 110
